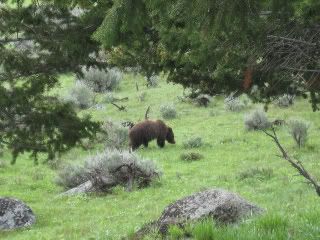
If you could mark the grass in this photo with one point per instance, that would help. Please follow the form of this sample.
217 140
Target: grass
229 151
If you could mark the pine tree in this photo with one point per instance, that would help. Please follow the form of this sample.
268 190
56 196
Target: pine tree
213 45
38 42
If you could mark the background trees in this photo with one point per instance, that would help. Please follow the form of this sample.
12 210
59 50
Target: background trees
221 46
264 48
38 42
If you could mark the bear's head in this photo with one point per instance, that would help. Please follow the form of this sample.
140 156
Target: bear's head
170 136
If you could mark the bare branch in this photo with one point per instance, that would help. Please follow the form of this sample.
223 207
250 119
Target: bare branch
121 108
294 163
146 114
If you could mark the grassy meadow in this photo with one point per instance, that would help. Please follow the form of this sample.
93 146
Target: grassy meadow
234 159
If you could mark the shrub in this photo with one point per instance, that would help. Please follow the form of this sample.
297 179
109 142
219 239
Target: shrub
71 176
101 80
256 120
153 81
193 142
116 135
203 100
168 111
233 104
81 96
191 156
122 167
298 129
285 100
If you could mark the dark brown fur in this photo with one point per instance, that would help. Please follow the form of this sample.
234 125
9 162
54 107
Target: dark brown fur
146 131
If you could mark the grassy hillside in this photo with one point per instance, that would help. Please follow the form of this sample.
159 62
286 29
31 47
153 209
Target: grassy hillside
231 159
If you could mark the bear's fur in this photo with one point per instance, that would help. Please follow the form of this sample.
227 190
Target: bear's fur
146 131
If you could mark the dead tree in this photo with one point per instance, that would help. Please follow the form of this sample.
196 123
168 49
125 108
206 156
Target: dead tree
120 108
293 162
146 114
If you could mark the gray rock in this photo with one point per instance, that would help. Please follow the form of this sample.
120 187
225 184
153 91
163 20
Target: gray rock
15 214
223 206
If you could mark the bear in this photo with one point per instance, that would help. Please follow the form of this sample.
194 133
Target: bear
146 131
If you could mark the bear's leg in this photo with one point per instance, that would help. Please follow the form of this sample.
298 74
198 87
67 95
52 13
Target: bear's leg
135 146
160 142
145 143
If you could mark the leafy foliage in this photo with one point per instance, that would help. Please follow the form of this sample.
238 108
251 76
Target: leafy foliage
219 46
49 38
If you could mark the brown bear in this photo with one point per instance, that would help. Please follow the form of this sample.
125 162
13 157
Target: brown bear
146 131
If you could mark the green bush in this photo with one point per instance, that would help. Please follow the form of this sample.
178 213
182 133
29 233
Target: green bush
256 120
168 111
121 166
285 100
193 142
233 104
116 135
71 176
298 129
153 81
80 96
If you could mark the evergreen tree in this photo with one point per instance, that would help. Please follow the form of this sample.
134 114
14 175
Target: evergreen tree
221 46
38 42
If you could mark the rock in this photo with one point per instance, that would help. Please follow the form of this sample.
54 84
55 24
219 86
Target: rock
223 206
15 214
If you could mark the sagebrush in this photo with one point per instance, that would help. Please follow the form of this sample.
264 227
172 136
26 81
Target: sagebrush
256 120
122 167
168 111
193 142
80 96
233 104
298 129
115 135
100 80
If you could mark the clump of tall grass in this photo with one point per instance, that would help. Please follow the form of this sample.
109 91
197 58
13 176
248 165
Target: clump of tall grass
298 129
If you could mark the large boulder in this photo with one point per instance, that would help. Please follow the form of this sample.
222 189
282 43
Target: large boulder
223 206
15 214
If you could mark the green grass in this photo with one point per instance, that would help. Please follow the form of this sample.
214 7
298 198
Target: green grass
228 152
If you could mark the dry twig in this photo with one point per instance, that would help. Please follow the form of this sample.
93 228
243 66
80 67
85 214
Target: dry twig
294 163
